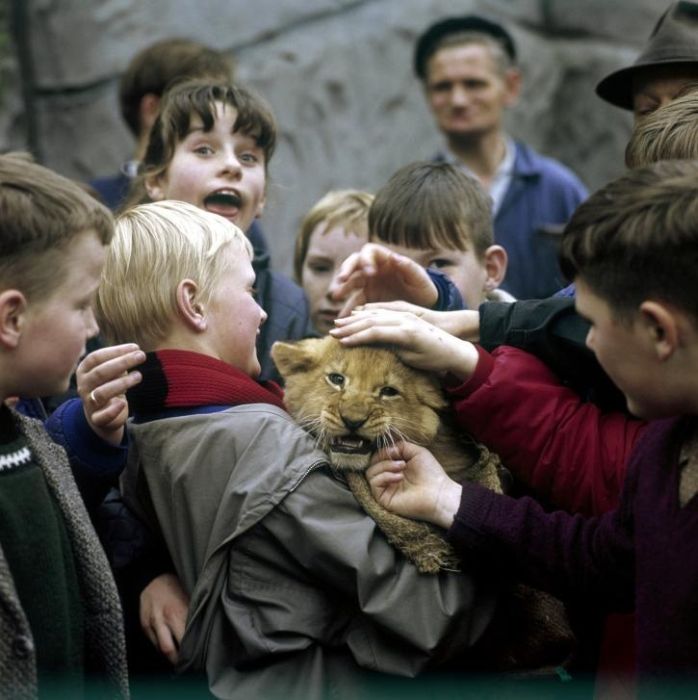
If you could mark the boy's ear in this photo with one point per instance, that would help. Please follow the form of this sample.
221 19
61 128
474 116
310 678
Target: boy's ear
260 206
496 261
148 110
512 80
662 327
154 186
13 312
188 306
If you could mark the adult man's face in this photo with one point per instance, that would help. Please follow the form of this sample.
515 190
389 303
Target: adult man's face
655 86
467 90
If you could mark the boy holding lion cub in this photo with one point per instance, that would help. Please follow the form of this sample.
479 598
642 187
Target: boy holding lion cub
293 587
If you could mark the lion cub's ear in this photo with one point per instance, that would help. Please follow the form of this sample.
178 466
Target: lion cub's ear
292 358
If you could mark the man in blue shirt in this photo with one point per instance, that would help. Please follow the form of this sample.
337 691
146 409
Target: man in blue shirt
468 69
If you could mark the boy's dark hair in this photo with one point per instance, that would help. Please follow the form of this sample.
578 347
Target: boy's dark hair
431 205
179 104
41 212
637 239
156 67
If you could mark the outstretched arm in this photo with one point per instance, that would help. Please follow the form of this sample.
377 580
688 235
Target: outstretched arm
462 323
376 273
91 430
559 552
576 455
103 378
416 341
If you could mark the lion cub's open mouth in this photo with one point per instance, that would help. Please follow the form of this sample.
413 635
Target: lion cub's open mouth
351 452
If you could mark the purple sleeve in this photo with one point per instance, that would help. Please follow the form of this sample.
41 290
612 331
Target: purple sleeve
568 555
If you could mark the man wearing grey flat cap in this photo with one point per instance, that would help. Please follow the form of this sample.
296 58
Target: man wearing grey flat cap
666 68
467 65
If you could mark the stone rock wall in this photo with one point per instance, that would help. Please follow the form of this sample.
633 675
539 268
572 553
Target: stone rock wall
337 74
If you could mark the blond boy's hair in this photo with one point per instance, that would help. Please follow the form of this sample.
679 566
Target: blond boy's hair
345 208
155 247
429 205
41 213
669 133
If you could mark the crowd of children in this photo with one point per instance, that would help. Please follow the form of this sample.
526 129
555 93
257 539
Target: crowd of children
230 542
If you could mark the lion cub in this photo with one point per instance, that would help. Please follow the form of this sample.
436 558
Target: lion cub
357 400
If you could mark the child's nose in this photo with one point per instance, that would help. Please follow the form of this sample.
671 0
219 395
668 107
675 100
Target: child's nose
91 327
231 164
459 95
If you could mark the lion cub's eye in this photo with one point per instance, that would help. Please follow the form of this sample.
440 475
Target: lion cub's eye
336 379
389 391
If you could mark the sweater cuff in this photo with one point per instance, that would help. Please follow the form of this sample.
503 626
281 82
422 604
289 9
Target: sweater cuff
468 529
485 363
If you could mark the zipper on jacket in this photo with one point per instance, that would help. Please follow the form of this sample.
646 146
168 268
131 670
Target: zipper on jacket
311 468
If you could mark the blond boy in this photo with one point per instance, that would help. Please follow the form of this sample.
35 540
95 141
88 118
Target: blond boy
270 546
335 227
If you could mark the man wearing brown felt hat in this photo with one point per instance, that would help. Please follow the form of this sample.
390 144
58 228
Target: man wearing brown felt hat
666 68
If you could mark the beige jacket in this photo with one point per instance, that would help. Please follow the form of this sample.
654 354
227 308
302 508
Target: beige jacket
294 590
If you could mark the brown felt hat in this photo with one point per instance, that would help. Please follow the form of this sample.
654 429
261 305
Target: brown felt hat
674 40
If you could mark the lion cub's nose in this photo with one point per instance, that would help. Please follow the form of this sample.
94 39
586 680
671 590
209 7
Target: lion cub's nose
353 424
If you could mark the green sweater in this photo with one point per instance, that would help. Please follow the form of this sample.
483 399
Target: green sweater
35 543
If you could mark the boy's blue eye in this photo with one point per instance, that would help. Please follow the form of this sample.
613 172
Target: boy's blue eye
203 150
439 263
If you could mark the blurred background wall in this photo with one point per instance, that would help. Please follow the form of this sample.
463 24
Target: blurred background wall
338 74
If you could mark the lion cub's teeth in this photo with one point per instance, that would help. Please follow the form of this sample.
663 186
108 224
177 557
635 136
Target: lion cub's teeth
351 444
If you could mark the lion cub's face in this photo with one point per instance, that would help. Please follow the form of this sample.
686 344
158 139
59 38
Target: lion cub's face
355 400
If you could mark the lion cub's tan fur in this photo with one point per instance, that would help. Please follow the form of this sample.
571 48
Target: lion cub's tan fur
368 394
